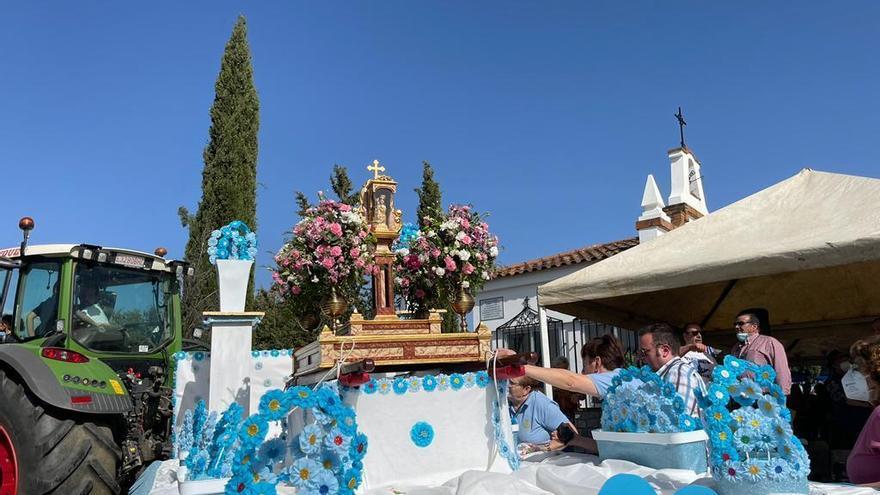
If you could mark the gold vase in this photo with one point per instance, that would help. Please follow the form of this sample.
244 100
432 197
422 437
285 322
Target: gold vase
463 304
309 321
334 306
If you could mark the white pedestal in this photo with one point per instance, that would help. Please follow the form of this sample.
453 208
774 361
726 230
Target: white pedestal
231 360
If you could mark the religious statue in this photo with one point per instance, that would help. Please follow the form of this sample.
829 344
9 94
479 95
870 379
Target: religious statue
380 215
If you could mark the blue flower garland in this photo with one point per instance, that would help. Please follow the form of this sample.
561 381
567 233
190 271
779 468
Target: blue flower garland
232 242
640 401
328 453
427 383
750 436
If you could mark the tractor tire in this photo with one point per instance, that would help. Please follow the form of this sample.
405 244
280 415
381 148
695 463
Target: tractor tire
56 452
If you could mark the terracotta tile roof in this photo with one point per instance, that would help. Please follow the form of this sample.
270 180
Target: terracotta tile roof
596 252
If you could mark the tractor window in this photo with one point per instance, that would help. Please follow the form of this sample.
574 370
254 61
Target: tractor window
120 310
37 302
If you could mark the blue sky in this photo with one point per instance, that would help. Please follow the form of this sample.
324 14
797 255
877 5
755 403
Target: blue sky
547 115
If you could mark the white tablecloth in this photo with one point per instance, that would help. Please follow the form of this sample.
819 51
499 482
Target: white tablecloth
543 474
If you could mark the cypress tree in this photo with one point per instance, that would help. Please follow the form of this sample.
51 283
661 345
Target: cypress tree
429 196
229 176
342 186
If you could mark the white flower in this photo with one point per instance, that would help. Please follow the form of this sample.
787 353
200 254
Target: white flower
448 225
493 251
466 284
403 252
460 235
439 271
463 255
315 279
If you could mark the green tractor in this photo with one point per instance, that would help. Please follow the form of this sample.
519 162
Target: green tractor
85 367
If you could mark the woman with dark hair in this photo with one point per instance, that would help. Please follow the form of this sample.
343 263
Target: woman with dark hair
603 358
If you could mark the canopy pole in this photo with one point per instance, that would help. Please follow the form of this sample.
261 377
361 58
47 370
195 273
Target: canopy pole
721 298
545 344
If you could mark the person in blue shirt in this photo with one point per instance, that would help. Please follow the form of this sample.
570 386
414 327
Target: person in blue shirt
533 412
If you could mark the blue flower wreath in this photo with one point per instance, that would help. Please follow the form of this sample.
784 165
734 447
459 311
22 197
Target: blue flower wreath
232 242
206 446
328 454
640 401
750 436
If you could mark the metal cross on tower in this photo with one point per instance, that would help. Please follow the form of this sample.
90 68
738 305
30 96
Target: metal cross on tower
375 169
681 124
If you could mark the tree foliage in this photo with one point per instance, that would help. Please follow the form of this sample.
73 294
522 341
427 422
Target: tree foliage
229 176
279 328
342 186
430 205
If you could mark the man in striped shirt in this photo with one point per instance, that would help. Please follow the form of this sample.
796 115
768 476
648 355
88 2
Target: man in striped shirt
658 346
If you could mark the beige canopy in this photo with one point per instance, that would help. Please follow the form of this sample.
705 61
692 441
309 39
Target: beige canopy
807 249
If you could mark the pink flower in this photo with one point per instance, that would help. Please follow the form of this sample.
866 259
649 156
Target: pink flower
450 264
335 251
465 223
276 278
359 263
327 262
435 253
468 268
355 252
344 207
296 289
466 240
420 293
336 229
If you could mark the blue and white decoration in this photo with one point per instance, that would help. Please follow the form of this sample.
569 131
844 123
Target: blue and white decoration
205 445
234 241
268 369
639 401
753 449
429 428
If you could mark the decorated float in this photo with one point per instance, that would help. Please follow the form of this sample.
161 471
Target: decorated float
388 401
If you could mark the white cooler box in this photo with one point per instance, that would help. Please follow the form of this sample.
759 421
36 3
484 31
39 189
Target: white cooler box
685 450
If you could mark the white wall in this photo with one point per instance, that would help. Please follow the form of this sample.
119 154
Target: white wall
514 289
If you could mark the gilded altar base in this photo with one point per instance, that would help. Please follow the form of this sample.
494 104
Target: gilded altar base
394 342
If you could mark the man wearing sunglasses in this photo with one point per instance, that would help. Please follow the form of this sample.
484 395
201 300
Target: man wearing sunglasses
694 351
761 349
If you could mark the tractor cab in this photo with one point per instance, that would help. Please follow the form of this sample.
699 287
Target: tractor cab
85 297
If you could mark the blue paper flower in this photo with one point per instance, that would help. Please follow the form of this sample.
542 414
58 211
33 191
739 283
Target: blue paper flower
252 432
337 441
421 434
384 386
442 382
400 386
482 379
470 380
303 471
301 396
350 481
272 451
456 381
429 383
310 439
274 404
414 383
325 483
359 446
371 386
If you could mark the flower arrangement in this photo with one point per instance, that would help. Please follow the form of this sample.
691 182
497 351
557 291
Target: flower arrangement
455 250
330 247
206 446
234 241
640 401
327 455
750 436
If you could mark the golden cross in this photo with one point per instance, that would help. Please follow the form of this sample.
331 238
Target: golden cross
375 169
